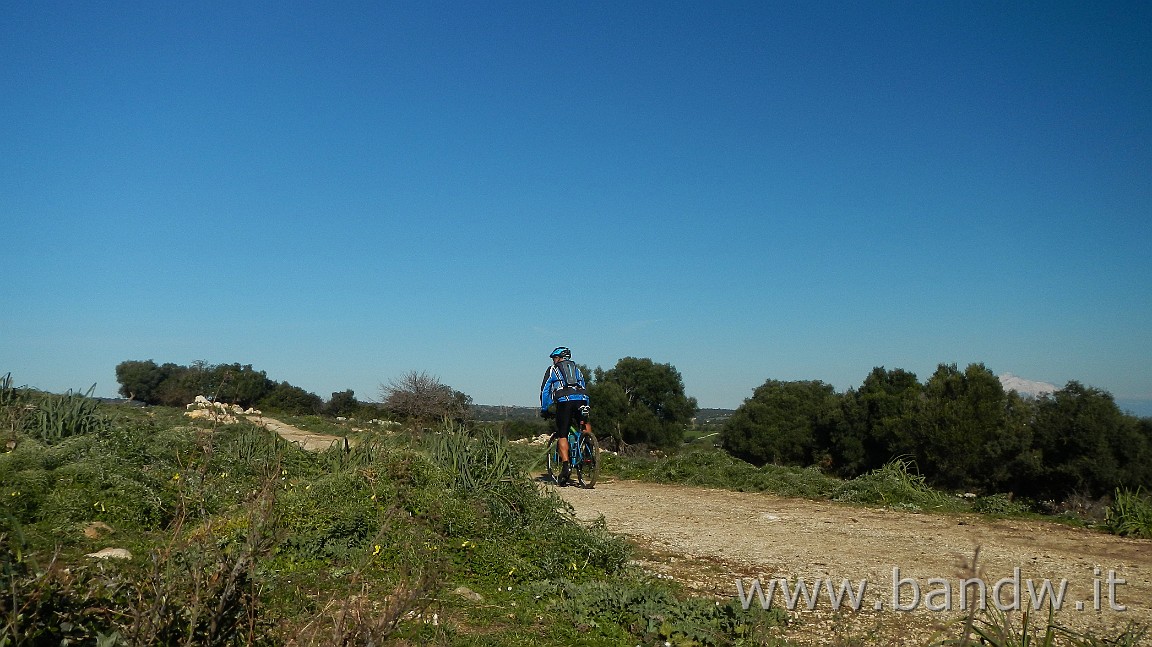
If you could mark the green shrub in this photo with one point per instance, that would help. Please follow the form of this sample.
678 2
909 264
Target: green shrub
57 417
715 468
999 504
653 613
1130 515
328 517
897 484
473 462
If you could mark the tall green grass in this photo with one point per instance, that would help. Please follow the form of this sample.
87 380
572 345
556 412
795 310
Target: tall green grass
1130 514
474 462
56 417
896 484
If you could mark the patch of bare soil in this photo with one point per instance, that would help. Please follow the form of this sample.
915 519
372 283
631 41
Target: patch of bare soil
707 539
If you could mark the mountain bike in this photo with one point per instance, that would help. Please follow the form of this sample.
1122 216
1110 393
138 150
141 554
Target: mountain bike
583 453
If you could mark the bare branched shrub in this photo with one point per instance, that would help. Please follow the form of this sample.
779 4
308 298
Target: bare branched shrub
422 398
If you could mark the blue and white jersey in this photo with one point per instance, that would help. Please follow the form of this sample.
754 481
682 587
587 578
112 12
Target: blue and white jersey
563 382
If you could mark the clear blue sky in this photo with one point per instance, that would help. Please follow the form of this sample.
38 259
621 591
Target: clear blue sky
340 193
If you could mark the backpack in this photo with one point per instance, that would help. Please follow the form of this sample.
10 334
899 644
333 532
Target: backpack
569 379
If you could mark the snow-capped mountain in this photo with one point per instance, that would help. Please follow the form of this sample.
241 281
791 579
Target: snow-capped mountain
1022 386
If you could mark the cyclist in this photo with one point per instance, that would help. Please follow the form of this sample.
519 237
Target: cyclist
564 387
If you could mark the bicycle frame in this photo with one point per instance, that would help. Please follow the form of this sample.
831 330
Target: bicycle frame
583 453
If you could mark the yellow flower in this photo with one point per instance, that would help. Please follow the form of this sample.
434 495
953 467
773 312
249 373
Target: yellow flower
176 476
376 550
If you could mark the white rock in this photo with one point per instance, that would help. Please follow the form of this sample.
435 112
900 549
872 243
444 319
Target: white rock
111 553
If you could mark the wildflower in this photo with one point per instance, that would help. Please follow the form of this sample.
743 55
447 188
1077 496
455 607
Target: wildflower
376 550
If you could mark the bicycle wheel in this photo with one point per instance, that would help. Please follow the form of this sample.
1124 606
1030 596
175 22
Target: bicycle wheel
589 460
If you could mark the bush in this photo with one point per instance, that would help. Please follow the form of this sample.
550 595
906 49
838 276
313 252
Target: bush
715 468
897 484
56 417
653 613
999 504
1130 515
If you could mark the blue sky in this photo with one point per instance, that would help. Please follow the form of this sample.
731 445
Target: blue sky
341 193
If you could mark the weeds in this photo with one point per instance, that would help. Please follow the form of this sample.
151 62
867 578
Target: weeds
655 614
56 417
713 468
897 484
994 627
999 505
474 462
1130 515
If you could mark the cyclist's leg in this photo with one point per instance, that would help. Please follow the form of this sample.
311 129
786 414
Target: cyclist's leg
564 419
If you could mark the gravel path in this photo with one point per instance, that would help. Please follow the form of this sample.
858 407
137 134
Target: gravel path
707 539
306 439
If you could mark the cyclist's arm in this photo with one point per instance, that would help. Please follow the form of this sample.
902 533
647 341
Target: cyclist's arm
546 390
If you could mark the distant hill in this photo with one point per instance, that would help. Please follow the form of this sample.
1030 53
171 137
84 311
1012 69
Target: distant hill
713 416
497 413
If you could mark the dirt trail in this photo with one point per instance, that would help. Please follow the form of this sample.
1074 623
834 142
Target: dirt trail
306 439
708 538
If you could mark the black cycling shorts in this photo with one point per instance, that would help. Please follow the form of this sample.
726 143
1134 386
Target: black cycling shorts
567 415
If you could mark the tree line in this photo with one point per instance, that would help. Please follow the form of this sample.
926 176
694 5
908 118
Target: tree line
416 396
962 429
174 385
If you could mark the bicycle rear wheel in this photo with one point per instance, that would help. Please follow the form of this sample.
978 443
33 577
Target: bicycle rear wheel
589 465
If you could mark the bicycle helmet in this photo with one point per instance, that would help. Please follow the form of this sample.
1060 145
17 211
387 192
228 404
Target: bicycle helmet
561 352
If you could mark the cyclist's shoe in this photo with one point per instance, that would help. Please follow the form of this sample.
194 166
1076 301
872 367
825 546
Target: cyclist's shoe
565 473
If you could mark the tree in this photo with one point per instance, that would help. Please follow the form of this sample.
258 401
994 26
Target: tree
1088 445
964 414
781 422
878 422
653 408
342 403
609 408
291 399
241 385
422 398
141 380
